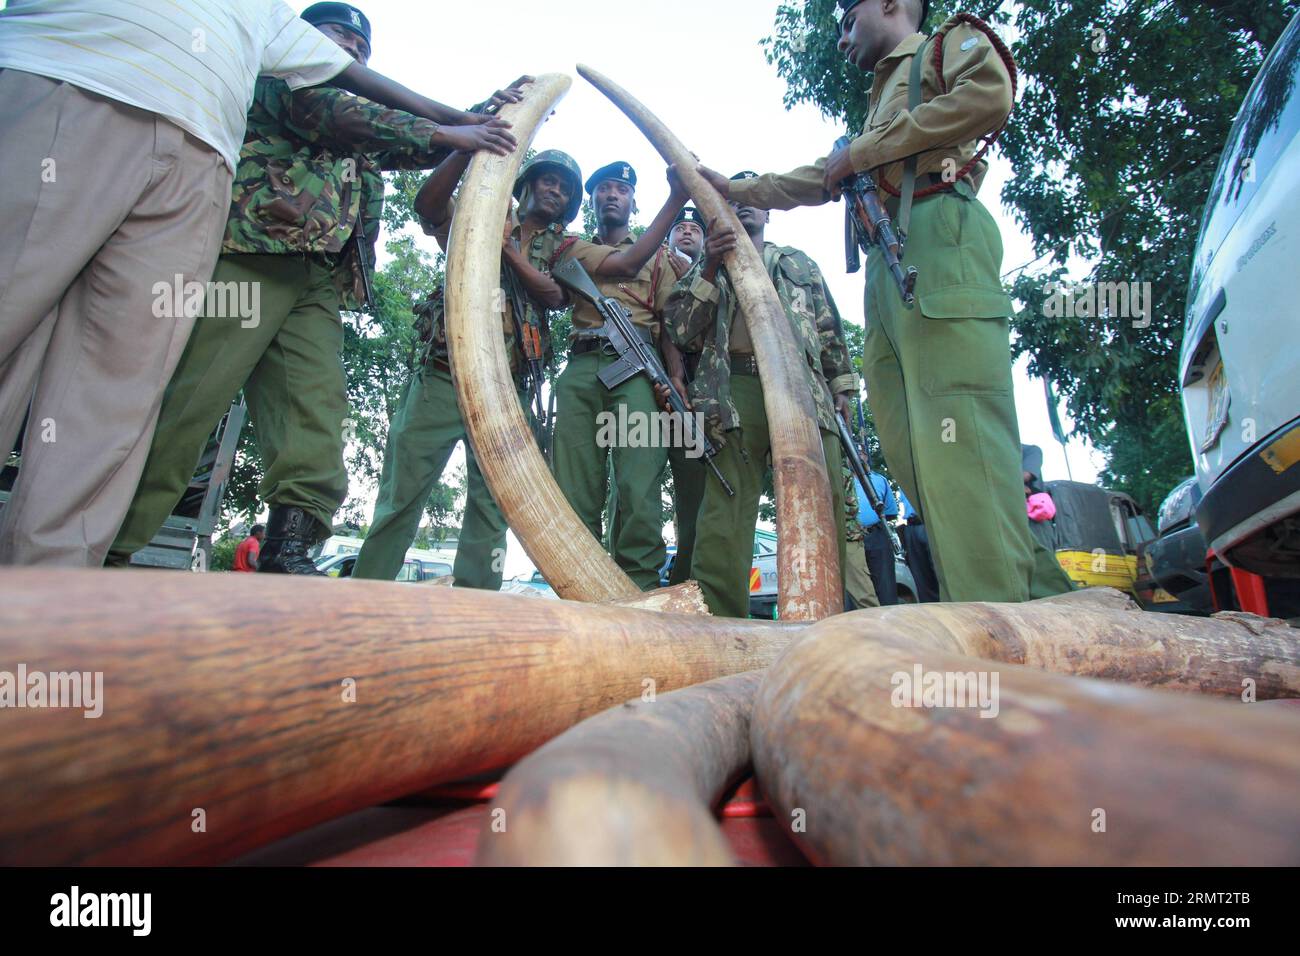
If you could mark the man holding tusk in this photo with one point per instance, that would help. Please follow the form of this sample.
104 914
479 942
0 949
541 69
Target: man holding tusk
629 270
727 390
939 371
429 424
299 246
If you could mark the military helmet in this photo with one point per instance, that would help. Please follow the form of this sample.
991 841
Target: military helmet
562 163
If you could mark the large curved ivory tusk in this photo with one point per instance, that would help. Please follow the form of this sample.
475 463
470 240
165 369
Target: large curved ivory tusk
634 786
885 758
571 560
808 572
273 704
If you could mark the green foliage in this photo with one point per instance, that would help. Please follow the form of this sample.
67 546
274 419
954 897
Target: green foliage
222 557
1124 110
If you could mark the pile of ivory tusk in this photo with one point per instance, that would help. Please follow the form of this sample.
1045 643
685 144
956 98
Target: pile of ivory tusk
1108 743
234 710
1080 754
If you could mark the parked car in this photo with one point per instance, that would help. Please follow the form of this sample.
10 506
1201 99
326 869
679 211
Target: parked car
413 569
530 582
1240 363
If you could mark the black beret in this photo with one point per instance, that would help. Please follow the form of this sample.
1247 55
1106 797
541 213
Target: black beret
344 14
745 174
691 214
619 171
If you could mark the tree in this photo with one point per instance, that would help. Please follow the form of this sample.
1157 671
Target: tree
1124 110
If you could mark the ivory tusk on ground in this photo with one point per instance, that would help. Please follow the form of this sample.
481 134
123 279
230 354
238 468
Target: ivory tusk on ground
634 786
808 573
269 704
1062 770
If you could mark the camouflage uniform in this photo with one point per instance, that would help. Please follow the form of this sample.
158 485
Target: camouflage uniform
727 391
308 174
428 426
857 578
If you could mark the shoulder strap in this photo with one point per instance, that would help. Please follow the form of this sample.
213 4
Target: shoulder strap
907 191
909 167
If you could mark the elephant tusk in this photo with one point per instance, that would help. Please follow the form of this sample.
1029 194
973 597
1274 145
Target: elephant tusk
808 572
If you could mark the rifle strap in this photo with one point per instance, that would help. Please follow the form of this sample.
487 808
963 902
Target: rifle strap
908 190
655 274
914 100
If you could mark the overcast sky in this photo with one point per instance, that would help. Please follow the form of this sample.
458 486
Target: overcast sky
700 67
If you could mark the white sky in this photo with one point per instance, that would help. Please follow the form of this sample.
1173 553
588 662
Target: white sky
699 66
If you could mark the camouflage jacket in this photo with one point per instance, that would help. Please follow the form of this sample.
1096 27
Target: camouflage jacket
853 530
430 317
697 307
309 171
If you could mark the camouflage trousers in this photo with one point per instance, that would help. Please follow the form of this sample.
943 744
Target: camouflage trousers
286 360
421 438
939 379
724 531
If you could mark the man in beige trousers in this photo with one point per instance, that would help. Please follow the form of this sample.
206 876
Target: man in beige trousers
120 125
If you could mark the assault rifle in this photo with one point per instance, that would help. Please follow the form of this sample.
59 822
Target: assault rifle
867 224
363 263
860 463
635 356
533 350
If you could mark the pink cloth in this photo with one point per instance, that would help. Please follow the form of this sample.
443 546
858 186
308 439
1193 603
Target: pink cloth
1041 507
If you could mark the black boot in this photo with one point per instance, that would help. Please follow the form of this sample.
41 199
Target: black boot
290 533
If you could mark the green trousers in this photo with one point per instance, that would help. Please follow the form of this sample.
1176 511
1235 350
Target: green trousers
689 476
287 361
724 530
421 438
580 456
939 382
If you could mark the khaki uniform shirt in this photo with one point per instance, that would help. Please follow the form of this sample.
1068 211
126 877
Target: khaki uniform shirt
634 292
944 129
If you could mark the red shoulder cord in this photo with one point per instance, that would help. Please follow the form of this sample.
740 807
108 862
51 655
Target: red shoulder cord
648 304
1008 61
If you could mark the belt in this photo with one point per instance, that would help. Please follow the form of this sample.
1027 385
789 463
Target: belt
589 340
743 363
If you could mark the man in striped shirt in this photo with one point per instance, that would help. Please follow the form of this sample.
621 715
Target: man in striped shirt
120 127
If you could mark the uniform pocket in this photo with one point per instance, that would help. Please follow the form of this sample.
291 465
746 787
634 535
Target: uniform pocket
970 356
957 251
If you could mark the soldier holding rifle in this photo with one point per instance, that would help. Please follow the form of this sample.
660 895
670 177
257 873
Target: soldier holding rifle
938 368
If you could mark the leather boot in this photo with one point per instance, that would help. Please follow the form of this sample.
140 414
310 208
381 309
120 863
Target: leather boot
290 533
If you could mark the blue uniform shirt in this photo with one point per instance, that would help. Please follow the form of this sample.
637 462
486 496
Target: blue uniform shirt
908 511
867 516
